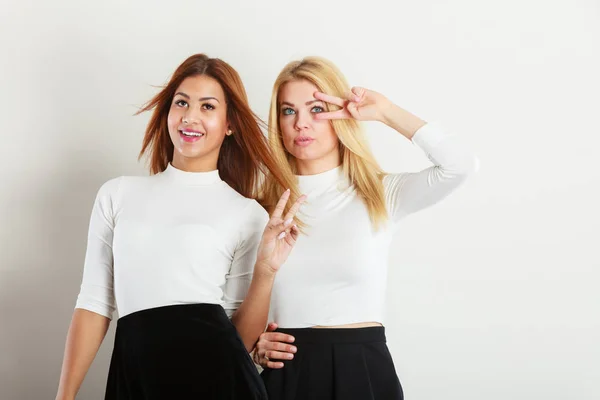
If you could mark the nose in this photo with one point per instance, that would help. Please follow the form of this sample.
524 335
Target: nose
303 120
191 116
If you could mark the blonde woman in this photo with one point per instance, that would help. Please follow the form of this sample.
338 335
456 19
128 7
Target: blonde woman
329 299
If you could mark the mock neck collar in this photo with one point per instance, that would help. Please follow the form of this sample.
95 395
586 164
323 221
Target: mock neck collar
191 178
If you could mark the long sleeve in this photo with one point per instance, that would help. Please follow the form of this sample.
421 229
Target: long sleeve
242 267
453 163
97 287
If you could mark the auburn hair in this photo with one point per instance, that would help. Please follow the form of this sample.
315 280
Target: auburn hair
244 156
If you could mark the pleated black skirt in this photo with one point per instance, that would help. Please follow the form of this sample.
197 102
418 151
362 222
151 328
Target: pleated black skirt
336 364
181 352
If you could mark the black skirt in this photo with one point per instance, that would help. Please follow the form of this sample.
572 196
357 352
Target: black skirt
336 364
181 352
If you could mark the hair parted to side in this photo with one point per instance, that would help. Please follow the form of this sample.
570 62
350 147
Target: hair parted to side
243 156
358 162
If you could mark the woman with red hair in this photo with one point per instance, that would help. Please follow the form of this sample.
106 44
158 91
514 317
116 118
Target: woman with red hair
184 254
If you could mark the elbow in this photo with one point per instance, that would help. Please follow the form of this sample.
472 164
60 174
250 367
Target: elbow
249 347
468 167
471 166
248 339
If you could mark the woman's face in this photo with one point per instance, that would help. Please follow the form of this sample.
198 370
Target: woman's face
197 123
312 142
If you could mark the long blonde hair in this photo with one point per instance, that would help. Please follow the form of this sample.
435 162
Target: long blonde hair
358 162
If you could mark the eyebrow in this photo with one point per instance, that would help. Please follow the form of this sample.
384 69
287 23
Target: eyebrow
308 103
200 99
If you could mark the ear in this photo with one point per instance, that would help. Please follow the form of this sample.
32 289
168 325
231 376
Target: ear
228 132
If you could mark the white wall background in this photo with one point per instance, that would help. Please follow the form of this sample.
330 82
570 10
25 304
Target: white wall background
493 294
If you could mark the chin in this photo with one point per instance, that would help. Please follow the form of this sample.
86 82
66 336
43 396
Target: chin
191 154
306 156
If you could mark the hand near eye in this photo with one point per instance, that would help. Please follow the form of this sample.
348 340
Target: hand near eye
360 104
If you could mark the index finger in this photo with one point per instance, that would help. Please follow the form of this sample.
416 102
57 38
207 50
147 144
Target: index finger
278 337
338 101
281 204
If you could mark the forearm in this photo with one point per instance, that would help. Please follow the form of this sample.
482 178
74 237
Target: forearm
250 318
86 333
401 120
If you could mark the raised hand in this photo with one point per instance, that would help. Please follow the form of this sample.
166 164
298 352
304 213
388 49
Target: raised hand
360 104
280 235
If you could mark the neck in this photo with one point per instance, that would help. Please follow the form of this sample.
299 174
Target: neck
313 167
202 164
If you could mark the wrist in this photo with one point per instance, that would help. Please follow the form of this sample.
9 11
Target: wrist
264 270
402 121
65 395
387 113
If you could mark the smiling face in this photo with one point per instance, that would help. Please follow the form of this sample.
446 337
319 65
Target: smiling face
197 123
312 142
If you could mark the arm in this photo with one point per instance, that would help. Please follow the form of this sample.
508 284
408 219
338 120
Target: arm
453 163
86 332
409 192
266 252
95 303
251 317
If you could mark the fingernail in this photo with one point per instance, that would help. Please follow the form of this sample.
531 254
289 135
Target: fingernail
293 349
287 190
290 356
281 235
288 221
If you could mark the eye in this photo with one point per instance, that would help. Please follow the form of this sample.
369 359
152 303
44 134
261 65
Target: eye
287 111
208 106
181 103
317 109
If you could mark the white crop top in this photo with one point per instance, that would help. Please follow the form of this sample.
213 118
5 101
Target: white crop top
337 274
172 238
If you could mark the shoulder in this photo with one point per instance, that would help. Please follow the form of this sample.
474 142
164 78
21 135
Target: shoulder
246 208
115 188
251 216
255 217
109 190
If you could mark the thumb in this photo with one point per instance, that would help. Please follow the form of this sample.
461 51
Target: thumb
271 327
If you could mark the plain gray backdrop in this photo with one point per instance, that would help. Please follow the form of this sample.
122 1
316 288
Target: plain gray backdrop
492 294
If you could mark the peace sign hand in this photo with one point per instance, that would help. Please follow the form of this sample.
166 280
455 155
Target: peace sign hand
279 236
360 104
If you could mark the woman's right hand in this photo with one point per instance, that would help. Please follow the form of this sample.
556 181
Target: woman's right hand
272 347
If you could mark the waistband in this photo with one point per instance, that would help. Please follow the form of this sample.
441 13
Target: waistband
336 335
176 313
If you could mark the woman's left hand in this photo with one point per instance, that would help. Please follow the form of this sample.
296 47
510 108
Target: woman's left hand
360 104
279 236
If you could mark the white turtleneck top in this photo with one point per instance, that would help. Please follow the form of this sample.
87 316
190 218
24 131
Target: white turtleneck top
172 238
337 273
